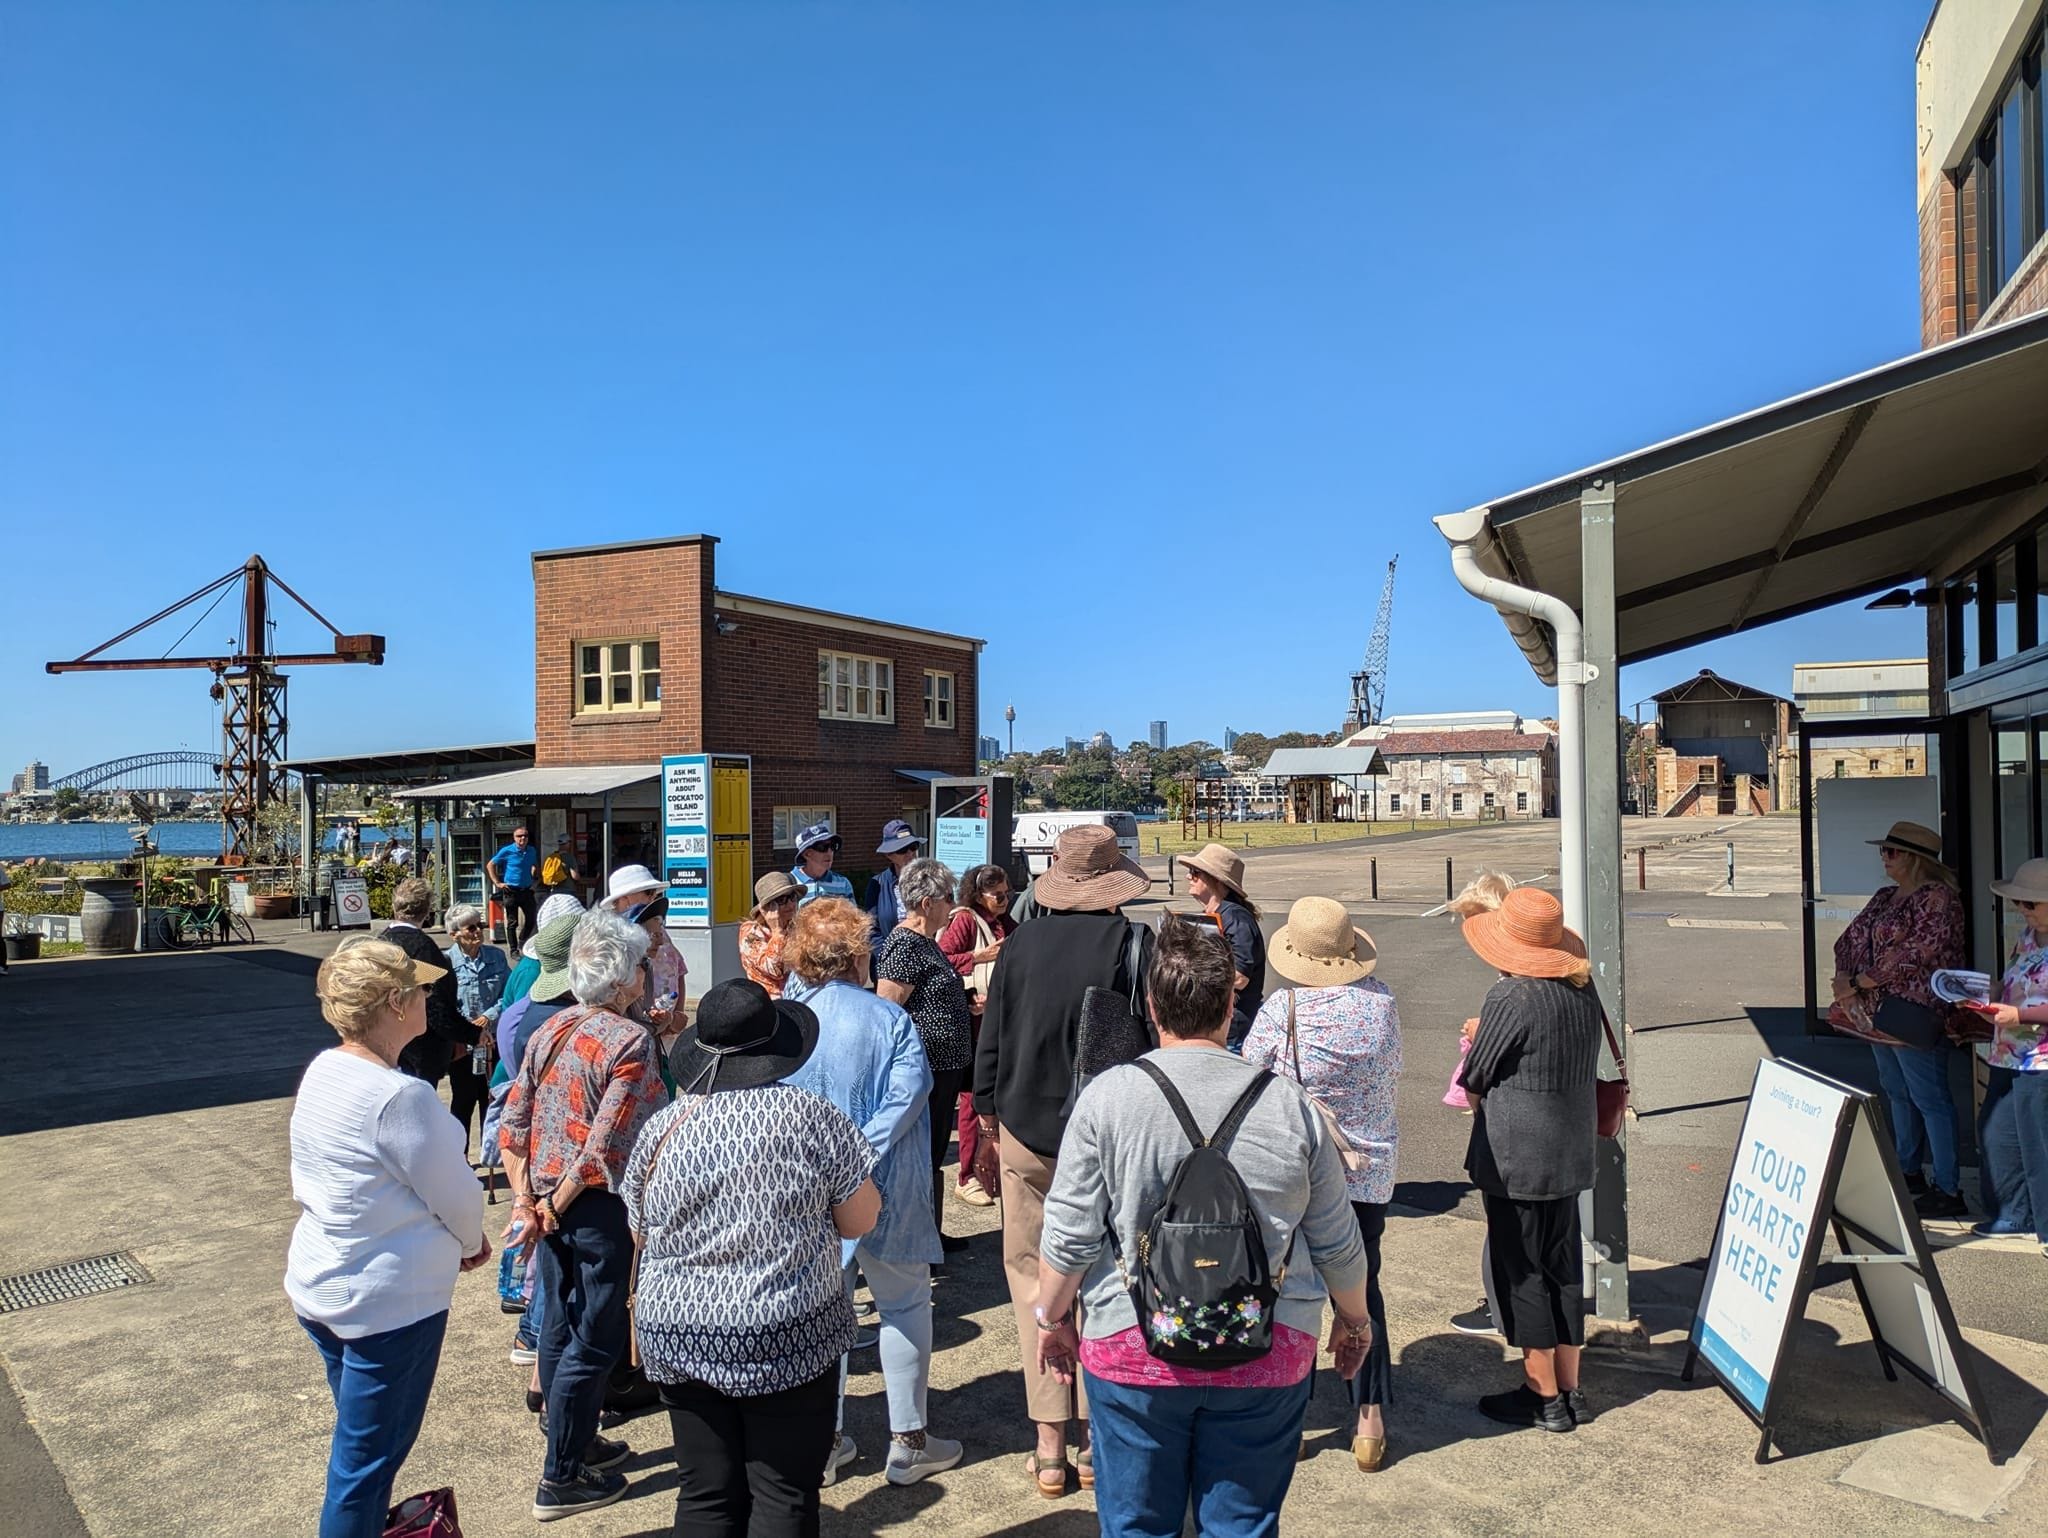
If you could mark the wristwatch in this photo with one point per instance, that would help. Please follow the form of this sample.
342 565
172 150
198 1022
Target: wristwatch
1038 1313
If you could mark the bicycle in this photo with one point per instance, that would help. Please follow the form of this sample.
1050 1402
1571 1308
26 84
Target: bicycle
202 921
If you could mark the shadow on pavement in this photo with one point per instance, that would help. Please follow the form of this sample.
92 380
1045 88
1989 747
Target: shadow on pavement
1432 1197
103 1040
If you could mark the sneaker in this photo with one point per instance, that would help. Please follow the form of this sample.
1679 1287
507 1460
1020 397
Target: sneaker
841 1455
1941 1204
1999 1228
1523 1406
522 1355
862 1339
586 1492
907 1464
865 1310
1582 1409
972 1193
603 1453
1475 1321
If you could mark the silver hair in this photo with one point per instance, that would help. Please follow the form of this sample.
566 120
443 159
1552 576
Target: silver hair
922 880
604 955
463 913
412 900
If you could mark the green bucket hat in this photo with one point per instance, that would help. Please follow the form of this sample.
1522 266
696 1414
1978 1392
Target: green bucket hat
551 948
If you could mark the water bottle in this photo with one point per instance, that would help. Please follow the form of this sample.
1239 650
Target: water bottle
512 1275
480 1056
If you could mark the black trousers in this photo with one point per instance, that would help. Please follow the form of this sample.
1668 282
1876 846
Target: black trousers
1538 1283
1374 1384
468 1093
751 1465
944 1105
522 914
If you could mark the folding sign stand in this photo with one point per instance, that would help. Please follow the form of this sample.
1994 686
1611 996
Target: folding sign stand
1817 1155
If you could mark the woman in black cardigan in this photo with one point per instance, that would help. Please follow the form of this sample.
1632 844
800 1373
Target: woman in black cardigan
1530 1073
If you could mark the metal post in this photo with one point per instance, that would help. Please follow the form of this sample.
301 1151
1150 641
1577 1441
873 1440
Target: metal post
605 874
1600 764
1375 864
1450 881
1731 865
1642 868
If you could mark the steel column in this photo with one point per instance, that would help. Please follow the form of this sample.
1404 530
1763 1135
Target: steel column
1601 767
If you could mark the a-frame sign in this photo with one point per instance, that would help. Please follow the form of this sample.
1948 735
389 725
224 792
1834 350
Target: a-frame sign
1816 1155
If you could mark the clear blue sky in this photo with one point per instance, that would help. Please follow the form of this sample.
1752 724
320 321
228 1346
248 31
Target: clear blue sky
1133 338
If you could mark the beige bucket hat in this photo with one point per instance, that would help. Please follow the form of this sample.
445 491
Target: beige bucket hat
1214 861
2029 884
1319 946
1089 873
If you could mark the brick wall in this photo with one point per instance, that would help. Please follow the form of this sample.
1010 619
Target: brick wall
763 700
662 590
1938 264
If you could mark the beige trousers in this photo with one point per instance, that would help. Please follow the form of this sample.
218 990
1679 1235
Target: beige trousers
1026 1178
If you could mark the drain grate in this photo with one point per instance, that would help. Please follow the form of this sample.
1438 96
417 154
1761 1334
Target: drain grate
72 1279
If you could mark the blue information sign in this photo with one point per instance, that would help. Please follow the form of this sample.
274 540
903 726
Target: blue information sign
686 838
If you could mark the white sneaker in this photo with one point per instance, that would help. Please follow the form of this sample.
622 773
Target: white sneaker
840 1456
522 1356
972 1193
907 1465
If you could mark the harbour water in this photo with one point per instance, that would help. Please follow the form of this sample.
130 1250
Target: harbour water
110 840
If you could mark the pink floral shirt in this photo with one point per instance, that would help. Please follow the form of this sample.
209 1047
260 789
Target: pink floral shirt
1122 1358
2022 1047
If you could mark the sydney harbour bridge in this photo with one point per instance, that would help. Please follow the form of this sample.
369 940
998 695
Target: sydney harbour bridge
172 769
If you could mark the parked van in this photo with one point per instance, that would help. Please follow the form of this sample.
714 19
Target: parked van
1034 834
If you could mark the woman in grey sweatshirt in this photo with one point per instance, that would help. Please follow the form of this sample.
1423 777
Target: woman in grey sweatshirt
1163 1433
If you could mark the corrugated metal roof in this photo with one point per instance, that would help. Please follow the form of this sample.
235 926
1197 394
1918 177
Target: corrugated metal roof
1322 763
556 780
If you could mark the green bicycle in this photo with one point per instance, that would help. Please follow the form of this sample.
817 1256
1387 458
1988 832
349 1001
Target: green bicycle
202 921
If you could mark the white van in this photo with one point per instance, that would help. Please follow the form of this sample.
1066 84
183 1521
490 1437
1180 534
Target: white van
1034 834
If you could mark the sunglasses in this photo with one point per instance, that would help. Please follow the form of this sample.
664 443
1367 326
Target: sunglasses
463 929
786 900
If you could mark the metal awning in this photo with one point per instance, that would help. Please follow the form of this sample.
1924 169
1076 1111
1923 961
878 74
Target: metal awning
556 780
1322 763
926 776
1906 471
411 765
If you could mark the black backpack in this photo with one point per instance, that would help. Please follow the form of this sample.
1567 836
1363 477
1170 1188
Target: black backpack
1204 1290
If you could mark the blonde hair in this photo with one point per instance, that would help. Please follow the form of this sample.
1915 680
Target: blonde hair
827 941
360 981
1483 893
1921 871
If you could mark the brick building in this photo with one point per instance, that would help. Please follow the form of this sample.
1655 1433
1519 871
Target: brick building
638 652
1473 767
1718 748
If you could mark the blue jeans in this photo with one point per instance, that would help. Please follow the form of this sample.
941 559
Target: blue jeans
584 1268
2014 1135
534 1321
1231 1450
1923 1112
380 1385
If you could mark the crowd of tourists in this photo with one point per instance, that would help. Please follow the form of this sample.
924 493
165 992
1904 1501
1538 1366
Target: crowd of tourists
697 1204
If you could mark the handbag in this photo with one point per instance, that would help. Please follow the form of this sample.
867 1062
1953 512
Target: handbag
1610 1096
431 1515
1356 1160
1111 1028
984 971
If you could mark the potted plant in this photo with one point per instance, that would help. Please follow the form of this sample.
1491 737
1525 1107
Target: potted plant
273 897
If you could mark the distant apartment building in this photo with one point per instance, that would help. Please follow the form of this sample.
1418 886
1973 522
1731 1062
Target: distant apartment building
987 749
1229 739
1158 736
34 780
1461 766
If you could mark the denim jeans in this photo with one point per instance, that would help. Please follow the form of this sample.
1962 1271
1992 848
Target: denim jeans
584 1269
2014 1134
1230 1450
902 1291
380 1385
1923 1112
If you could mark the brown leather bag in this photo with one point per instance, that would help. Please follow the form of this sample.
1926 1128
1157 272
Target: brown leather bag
1610 1096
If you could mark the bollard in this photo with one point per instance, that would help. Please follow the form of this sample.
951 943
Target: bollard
1155 843
1731 866
1375 864
1169 875
1247 837
1642 868
1450 887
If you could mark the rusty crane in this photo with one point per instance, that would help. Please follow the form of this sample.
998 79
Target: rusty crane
249 687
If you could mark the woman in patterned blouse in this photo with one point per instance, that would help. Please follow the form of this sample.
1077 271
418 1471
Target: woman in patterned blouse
740 1195
1908 931
1337 1034
912 971
776 896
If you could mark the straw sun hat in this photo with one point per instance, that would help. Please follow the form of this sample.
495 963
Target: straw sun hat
1218 864
1918 839
1089 873
1319 946
1526 936
2029 884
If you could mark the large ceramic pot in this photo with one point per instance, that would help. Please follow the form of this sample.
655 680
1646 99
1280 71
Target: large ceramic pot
271 905
107 915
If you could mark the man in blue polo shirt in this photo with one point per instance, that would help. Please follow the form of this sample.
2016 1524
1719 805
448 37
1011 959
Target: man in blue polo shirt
512 871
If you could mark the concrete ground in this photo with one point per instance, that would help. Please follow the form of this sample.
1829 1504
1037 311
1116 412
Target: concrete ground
144 1103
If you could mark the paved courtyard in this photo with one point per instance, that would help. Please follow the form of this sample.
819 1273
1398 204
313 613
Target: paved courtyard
143 1107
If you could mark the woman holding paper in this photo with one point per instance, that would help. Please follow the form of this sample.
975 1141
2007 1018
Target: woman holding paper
2013 1132
1884 961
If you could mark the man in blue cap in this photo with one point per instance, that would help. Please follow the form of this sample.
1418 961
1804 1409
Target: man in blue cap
816 848
899 846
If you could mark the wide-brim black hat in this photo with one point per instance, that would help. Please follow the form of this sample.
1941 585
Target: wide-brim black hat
742 1039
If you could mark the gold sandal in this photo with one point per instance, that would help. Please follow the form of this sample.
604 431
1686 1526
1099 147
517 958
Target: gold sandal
1045 1475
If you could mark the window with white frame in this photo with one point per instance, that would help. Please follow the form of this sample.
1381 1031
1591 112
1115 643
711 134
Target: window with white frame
614 677
938 699
789 821
1394 803
855 688
1457 801
1521 801
1425 801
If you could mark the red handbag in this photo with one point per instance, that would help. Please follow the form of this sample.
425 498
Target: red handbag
431 1515
1610 1096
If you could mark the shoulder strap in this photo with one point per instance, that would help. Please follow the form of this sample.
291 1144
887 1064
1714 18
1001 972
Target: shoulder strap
1238 1112
1613 1045
1188 1124
1293 1045
654 1159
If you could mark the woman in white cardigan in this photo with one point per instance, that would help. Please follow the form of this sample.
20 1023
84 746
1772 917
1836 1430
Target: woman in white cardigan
389 1213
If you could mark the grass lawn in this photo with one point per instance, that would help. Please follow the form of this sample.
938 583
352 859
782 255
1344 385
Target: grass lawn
1165 837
